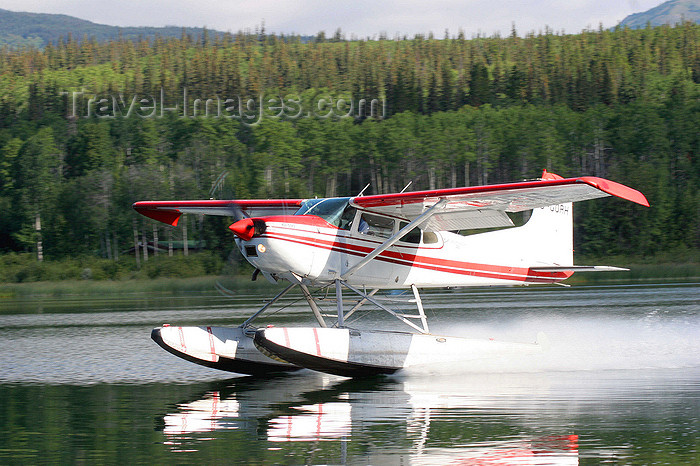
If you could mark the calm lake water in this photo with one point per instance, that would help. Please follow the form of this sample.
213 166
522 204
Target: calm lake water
81 381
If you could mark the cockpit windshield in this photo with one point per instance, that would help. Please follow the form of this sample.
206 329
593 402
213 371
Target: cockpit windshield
329 209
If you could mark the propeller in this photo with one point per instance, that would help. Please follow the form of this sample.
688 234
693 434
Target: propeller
233 209
241 220
236 212
243 226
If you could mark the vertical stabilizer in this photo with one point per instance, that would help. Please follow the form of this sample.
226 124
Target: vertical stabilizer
549 234
546 239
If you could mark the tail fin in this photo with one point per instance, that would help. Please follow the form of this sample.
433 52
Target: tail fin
550 235
546 239
550 231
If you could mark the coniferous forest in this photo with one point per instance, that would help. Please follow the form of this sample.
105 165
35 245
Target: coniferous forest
88 127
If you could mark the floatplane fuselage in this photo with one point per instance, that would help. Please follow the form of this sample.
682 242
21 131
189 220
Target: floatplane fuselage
319 249
367 243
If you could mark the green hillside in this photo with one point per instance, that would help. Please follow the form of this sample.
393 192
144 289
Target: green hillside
18 29
671 12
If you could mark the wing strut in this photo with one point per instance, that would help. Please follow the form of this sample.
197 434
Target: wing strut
396 237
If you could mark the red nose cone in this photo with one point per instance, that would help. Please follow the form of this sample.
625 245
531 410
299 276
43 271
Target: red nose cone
244 229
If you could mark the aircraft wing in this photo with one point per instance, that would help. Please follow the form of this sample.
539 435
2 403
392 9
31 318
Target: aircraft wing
170 211
486 206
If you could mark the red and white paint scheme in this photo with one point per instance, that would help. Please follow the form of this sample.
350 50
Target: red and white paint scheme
438 238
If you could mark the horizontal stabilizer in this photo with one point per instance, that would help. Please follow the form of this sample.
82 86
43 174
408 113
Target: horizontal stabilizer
579 268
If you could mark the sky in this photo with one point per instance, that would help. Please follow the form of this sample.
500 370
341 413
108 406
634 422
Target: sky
358 18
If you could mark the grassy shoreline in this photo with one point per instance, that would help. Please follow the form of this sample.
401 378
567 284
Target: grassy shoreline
21 275
150 287
641 273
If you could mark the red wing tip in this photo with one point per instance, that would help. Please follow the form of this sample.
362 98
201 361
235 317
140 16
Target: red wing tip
169 217
616 189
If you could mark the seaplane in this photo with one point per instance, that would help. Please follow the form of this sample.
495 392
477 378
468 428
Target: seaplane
350 248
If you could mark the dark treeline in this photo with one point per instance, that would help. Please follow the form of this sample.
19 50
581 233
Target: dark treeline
620 104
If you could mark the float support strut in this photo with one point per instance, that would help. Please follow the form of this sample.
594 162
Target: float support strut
262 309
339 300
312 305
421 312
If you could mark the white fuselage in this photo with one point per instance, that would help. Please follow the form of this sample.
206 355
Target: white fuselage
319 252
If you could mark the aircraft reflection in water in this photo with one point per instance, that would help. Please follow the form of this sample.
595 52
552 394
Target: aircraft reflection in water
314 408
206 415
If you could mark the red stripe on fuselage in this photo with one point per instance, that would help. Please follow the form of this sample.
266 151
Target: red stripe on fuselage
424 262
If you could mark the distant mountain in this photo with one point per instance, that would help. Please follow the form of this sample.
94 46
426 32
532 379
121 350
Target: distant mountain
19 29
671 12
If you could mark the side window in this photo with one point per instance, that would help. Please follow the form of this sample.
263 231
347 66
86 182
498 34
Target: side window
412 236
429 237
374 225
